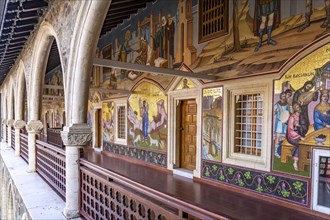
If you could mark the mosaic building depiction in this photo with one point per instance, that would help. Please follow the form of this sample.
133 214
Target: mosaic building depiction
163 109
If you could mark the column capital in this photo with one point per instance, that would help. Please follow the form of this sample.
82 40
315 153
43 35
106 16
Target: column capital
76 135
10 122
19 124
4 121
34 126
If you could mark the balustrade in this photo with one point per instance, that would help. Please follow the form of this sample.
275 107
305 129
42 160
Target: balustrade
54 137
13 138
107 195
51 166
24 152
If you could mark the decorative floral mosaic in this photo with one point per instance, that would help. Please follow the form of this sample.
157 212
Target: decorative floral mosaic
293 190
156 158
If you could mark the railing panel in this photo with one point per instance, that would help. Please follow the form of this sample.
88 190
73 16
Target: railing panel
13 138
54 137
24 152
108 195
51 166
103 198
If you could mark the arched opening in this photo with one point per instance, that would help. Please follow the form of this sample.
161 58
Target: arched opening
53 97
10 207
3 194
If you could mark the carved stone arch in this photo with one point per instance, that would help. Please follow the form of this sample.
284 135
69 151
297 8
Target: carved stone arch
43 42
88 26
21 88
11 98
3 193
311 47
10 201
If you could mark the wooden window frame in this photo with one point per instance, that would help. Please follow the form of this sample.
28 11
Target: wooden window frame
206 15
261 162
118 104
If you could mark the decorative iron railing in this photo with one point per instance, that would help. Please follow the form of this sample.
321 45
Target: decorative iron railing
107 195
13 138
51 166
24 152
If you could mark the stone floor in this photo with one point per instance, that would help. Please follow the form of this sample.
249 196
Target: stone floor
39 198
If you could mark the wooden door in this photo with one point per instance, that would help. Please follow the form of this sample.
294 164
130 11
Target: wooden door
188 131
99 131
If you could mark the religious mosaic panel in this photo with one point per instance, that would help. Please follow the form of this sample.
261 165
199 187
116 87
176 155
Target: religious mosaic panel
147 117
212 124
89 115
196 33
302 113
108 121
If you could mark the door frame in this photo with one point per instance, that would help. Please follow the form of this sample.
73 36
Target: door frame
95 125
315 179
174 98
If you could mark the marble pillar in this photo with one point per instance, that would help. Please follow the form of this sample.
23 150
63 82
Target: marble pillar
33 128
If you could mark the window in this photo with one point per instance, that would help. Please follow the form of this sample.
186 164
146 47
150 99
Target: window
248 124
247 141
213 19
120 129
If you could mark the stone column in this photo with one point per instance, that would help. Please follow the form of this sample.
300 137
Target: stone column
74 137
10 123
18 125
33 128
4 121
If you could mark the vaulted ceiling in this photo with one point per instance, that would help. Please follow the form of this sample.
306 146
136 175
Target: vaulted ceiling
19 18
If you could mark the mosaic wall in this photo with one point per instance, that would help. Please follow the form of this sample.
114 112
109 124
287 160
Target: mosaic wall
148 156
302 113
212 124
166 35
108 121
147 117
286 188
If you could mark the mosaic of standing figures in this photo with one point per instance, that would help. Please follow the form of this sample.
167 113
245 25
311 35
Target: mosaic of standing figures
108 134
262 39
302 113
147 117
212 124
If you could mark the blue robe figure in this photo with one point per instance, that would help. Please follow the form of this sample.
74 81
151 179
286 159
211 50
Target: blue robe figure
145 117
322 111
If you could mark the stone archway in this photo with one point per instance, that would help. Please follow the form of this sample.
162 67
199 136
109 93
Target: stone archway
21 89
76 133
43 42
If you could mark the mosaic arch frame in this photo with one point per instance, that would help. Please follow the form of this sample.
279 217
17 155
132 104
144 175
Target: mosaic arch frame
294 134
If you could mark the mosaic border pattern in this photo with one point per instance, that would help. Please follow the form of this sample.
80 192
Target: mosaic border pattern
148 156
286 188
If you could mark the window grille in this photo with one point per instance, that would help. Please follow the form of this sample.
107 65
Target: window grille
248 124
213 19
121 125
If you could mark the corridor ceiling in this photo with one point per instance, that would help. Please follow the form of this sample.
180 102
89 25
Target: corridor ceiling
19 18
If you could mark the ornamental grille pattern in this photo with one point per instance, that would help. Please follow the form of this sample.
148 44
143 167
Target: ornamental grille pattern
24 147
105 199
51 166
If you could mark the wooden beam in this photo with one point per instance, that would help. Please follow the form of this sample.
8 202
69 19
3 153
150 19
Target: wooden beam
52 87
112 91
149 69
53 97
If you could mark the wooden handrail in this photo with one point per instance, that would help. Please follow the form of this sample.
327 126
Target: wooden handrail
51 166
170 201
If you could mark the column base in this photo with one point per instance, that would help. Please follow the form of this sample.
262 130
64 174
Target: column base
69 214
